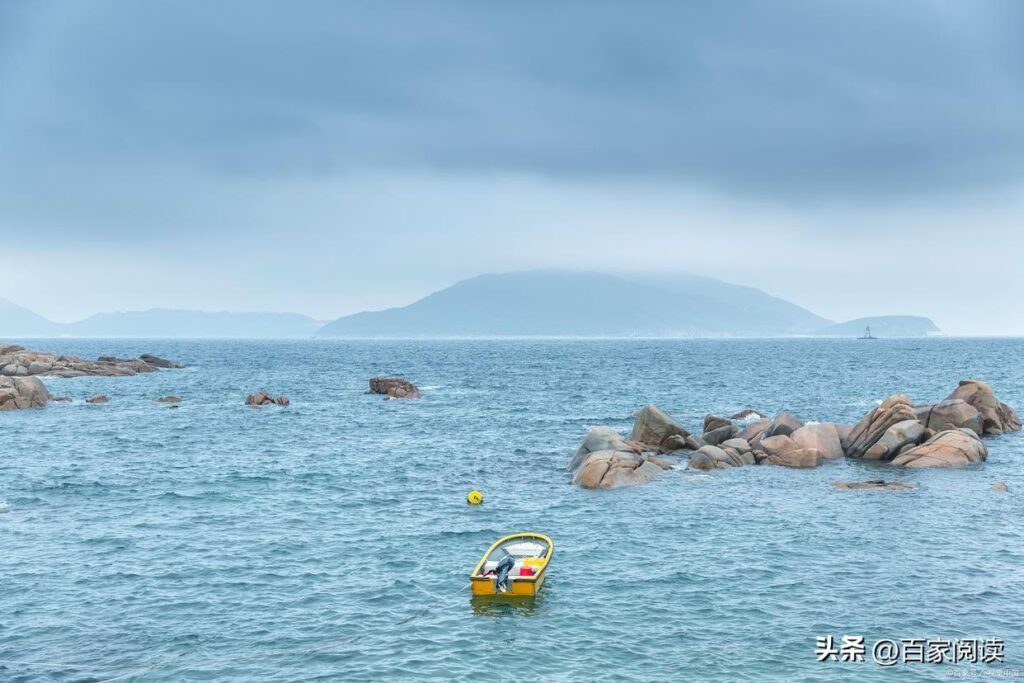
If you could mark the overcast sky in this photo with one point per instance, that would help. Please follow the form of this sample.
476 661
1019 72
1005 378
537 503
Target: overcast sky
856 158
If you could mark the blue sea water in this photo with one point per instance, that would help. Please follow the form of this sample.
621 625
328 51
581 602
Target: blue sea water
330 539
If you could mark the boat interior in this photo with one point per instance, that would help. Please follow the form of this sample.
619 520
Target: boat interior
530 555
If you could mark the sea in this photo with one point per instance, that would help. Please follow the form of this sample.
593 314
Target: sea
331 539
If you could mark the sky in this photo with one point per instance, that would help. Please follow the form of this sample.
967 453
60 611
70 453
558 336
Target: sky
857 158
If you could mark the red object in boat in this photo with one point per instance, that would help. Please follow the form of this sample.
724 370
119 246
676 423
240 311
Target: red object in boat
526 571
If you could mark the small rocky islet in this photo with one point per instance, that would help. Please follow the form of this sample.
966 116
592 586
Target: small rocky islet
944 434
20 369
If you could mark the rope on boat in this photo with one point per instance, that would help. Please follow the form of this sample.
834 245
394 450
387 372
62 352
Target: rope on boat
144 667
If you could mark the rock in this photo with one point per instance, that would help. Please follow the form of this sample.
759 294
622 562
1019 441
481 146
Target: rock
168 399
158 361
656 428
737 444
843 429
39 367
754 430
60 399
98 398
800 457
896 439
783 424
713 422
872 426
720 434
16 361
747 413
1000 486
880 484
22 392
677 442
713 457
822 436
997 417
612 469
601 438
393 387
777 445
694 442
951 448
953 413
262 398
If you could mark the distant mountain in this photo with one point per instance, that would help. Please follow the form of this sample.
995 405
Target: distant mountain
571 303
20 322
882 326
16 321
158 322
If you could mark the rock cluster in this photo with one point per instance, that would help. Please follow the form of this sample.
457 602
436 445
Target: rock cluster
393 387
945 434
262 398
98 398
22 392
16 361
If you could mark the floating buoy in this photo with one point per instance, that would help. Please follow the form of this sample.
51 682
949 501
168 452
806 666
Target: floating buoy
475 498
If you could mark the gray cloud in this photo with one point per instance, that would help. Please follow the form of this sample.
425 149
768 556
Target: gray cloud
779 99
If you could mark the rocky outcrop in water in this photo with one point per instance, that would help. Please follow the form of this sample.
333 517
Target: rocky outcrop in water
16 361
22 392
169 399
945 434
606 459
732 453
951 448
822 437
393 387
612 469
262 398
872 426
996 416
98 398
655 428
953 413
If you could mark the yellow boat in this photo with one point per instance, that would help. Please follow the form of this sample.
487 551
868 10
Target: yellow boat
525 570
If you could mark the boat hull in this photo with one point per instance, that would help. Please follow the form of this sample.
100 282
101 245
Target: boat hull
521 587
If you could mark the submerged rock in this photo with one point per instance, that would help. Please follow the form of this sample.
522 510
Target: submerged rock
951 448
98 398
169 399
873 426
393 387
656 428
22 392
996 416
1000 486
880 484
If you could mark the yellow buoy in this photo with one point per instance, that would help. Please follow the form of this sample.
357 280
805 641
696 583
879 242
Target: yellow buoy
475 498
